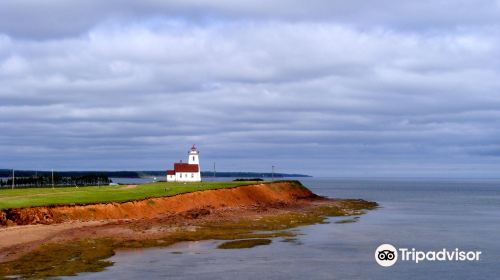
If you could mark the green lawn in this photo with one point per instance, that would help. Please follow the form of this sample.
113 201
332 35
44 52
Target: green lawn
20 198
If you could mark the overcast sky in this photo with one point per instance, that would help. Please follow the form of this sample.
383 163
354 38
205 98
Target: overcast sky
322 87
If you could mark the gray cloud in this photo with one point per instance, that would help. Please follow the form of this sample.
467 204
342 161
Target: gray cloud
330 89
56 18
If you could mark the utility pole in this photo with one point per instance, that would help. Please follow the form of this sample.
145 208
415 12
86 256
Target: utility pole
214 170
13 179
53 178
272 173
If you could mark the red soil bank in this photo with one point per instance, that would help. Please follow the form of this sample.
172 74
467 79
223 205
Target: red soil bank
254 195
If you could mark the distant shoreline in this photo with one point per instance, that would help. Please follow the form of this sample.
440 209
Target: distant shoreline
7 173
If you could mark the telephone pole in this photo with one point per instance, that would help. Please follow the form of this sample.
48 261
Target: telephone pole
214 170
272 173
53 178
13 179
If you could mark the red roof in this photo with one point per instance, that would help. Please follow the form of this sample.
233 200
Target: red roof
170 172
185 167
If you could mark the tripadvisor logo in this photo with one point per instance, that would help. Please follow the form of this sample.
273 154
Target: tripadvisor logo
387 255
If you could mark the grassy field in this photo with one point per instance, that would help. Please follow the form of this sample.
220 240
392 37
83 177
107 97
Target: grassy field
21 198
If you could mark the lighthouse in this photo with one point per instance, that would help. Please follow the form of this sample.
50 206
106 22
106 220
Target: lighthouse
186 172
194 156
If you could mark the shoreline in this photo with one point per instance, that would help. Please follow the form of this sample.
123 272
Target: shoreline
224 214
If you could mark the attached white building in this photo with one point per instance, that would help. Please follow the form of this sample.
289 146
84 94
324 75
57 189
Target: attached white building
186 172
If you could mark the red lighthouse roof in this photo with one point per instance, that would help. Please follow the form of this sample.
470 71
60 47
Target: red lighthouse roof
185 167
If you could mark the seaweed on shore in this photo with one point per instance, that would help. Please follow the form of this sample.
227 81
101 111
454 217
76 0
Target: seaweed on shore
65 259
244 243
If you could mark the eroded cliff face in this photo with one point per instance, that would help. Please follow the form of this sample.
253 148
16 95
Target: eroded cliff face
195 203
27 216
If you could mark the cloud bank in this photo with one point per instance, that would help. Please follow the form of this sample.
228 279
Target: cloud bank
329 89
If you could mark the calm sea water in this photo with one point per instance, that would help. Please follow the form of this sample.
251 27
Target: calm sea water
421 214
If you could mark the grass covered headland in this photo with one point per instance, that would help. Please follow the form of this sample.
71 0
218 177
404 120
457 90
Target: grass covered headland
22 198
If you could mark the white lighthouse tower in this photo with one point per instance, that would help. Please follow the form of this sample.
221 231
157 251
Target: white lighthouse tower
194 156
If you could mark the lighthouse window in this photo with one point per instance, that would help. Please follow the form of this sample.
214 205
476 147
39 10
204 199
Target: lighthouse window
193 157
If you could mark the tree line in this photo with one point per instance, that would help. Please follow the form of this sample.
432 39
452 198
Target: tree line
112 174
59 181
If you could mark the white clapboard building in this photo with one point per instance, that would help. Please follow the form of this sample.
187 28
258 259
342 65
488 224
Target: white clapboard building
186 172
